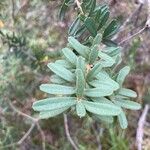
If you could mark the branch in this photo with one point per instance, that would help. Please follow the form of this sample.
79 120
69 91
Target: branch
133 36
35 122
79 6
22 139
68 134
139 134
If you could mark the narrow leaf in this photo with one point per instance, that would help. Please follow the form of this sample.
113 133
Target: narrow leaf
94 71
54 103
127 104
90 25
80 83
102 109
56 79
52 113
70 56
93 54
123 120
81 64
80 109
61 71
57 89
98 92
81 49
122 75
127 92
111 29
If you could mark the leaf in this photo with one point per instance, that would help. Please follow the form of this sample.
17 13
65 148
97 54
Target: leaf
80 109
93 54
63 9
81 49
93 4
61 72
52 113
98 92
80 31
70 56
127 92
54 103
57 79
107 119
57 89
104 79
97 40
91 27
127 104
111 29
63 63
74 27
112 51
103 19
80 83
105 84
102 109
94 71
81 64
122 74
123 120
102 100
106 60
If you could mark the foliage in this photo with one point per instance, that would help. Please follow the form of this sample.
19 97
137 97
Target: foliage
85 79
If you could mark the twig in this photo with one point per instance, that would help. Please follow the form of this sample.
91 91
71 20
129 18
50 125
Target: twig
42 135
35 122
132 36
97 135
139 134
68 134
79 6
22 139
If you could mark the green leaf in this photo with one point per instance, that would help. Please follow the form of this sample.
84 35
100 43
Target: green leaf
97 40
64 63
127 104
80 109
94 71
106 60
51 104
93 4
111 29
81 64
112 51
80 83
123 120
57 89
122 74
61 72
80 31
93 54
81 49
102 100
103 19
107 119
70 56
74 27
111 84
102 109
127 92
91 27
63 9
104 79
56 79
98 92
52 113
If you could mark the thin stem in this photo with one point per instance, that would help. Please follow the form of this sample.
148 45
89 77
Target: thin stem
133 36
140 132
79 6
68 133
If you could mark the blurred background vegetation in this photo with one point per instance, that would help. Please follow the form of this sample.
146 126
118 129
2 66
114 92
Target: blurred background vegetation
31 35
